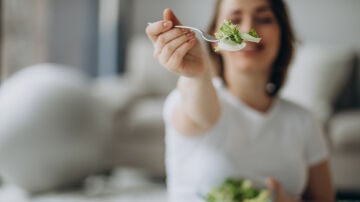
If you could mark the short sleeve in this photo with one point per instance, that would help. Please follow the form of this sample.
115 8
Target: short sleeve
315 145
169 105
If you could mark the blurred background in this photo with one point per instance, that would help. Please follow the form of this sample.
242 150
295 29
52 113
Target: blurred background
81 95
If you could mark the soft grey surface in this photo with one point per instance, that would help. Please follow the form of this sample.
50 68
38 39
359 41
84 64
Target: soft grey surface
344 131
124 185
53 131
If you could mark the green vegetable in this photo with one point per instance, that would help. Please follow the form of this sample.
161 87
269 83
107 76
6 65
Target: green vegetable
253 33
237 190
232 39
229 31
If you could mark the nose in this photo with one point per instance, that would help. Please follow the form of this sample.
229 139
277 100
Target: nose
246 24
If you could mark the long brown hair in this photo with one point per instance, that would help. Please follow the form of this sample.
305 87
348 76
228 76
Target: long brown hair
281 63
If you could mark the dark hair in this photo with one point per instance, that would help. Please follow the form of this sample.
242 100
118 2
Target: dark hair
281 63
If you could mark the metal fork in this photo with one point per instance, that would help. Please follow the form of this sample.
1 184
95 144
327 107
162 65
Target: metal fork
204 35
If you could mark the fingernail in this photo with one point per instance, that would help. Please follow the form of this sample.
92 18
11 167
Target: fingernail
166 23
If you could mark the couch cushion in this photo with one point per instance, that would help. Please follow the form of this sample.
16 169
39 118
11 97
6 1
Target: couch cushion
316 77
142 135
344 131
145 71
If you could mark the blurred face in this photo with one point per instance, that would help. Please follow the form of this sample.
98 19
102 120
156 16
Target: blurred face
257 14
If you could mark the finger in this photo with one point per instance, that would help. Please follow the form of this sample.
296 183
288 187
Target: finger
153 30
274 186
168 14
273 183
166 38
178 55
172 46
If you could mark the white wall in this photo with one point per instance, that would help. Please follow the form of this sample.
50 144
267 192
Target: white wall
327 21
323 21
73 28
72 33
190 12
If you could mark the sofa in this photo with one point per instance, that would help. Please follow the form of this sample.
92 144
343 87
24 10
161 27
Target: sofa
137 97
125 126
324 79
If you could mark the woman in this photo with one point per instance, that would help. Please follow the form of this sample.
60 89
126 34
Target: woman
236 126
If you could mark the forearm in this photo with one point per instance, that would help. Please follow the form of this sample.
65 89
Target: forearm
199 101
318 199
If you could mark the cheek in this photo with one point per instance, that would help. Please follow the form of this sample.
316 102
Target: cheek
271 40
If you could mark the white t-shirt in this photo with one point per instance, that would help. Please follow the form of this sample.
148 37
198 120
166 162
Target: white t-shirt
244 143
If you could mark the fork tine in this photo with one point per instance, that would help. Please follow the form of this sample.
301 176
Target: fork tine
209 38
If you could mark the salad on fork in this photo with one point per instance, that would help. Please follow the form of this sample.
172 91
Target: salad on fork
231 39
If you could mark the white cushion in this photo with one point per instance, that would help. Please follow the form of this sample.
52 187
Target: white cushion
116 92
52 130
145 71
344 130
316 77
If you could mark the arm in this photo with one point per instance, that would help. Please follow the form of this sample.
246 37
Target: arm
179 52
319 187
199 108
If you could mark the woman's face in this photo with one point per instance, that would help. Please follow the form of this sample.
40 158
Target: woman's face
248 14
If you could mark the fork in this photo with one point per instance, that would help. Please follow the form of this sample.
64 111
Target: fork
204 35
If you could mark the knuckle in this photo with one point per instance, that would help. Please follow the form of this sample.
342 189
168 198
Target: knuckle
186 36
174 67
152 28
171 67
161 39
150 32
179 32
177 55
167 50
170 48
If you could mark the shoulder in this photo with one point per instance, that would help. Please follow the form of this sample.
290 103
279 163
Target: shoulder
293 108
295 112
307 129
169 104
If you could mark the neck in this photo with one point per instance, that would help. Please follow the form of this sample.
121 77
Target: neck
250 89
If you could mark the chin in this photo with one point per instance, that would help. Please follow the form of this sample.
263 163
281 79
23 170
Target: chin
250 61
245 64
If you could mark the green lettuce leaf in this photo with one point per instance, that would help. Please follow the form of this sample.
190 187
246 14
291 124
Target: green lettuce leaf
230 37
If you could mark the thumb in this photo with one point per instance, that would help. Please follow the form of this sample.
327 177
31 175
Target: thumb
274 187
168 14
273 184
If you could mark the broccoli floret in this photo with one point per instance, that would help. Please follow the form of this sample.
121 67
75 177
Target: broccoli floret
237 190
